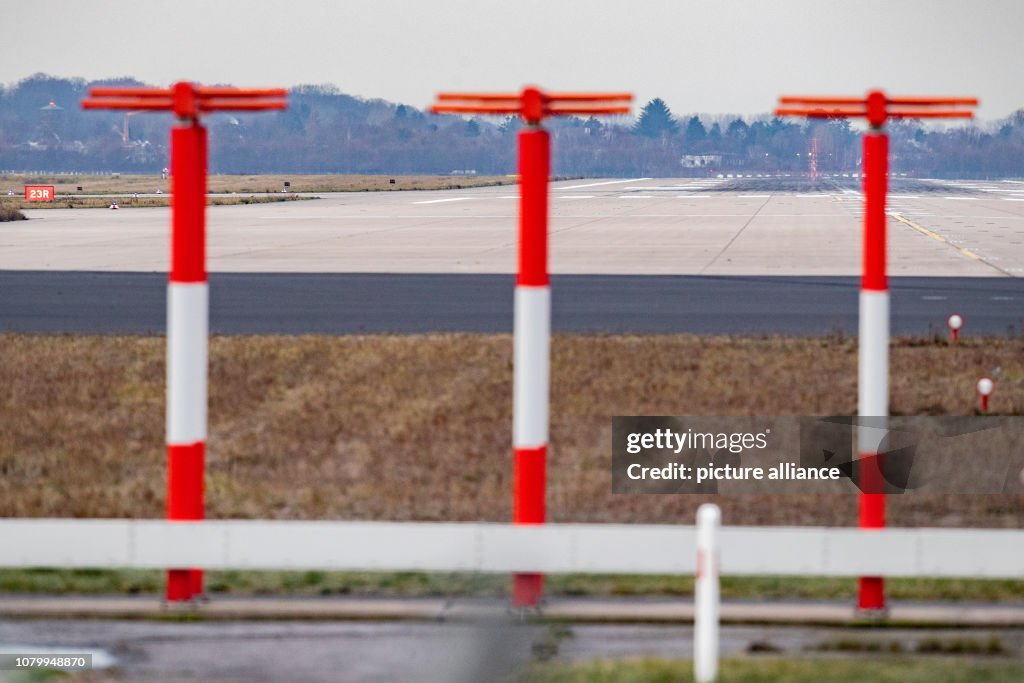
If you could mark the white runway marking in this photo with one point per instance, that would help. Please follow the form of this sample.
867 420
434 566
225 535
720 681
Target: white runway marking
574 196
753 196
438 201
636 196
607 182
963 199
656 188
1014 199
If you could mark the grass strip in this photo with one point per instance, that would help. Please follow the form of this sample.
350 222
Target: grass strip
435 584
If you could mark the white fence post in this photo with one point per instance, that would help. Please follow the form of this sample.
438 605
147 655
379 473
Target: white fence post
706 597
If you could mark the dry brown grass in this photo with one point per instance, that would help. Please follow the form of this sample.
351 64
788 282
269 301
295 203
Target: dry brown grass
10 213
419 427
127 184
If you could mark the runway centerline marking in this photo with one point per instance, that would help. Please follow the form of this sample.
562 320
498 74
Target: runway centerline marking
607 182
920 229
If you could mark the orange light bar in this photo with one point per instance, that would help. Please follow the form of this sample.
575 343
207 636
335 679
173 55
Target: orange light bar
141 103
802 99
821 112
571 110
219 104
129 92
930 114
217 91
966 101
473 109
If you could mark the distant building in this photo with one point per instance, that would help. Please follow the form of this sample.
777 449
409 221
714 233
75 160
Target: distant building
701 161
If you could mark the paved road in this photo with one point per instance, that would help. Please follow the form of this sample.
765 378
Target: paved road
329 303
372 652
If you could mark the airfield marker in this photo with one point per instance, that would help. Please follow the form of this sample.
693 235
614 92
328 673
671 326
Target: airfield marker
955 322
873 347
985 387
187 290
706 594
532 318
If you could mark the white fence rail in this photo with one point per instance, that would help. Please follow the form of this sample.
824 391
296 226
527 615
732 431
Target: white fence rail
473 547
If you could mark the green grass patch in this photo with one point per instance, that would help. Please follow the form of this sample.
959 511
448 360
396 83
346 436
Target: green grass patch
422 584
763 670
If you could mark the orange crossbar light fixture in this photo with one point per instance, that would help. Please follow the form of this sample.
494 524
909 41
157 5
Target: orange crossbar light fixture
187 100
876 107
873 330
534 104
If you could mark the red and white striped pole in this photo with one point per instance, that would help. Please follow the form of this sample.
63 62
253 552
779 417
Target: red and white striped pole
532 333
532 343
187 298
187 335
873 360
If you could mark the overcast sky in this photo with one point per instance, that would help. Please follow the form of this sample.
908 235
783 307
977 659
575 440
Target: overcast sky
715 56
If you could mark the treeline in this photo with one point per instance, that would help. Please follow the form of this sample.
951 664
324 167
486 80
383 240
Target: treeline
326 131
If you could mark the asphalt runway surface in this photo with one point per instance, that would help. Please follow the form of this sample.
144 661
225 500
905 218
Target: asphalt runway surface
338 303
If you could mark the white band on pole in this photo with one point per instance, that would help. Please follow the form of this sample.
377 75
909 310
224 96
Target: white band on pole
873 366
531 366
187 328
706 595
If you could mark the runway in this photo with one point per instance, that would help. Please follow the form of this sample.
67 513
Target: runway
713 255
599 227
353 303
